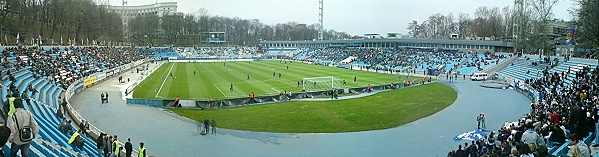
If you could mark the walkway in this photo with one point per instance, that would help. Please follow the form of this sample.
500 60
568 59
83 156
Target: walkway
167 134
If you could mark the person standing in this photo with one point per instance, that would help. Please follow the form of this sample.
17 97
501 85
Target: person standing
100 143
355 79
128 148
482 121
106 96
248 77
102 97
208 102
207 125
478 120
216 104
18 122
142 150
231 88
116 147
10 108
213 124
107 145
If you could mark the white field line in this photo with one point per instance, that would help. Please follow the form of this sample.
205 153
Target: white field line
219 90
167 74
275 89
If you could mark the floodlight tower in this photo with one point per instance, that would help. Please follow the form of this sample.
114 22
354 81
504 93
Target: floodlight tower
320 26
125 20
519 22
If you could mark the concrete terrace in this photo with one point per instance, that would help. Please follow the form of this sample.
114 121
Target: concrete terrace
167 134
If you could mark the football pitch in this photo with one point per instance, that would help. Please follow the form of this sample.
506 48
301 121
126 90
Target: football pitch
214 79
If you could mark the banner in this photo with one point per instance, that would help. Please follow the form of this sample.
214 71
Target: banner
89 81
100 76
78 86
109 73
571 33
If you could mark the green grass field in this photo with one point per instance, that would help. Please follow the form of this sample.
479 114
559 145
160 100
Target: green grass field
214 79
380 111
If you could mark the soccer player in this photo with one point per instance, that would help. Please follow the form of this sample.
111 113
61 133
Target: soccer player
355 79
344 82
279 75
274 74
248 77
194 72
231 87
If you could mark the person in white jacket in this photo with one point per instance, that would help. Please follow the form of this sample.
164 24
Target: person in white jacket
17 122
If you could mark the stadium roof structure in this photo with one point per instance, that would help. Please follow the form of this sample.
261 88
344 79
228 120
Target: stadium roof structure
421 41
459 45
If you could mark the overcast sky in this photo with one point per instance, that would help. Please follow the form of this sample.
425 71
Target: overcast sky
355 17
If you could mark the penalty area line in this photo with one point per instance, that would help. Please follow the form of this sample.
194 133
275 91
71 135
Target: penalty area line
221 92
275 90
167 74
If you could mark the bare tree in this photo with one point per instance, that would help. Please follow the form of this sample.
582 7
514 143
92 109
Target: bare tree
543 11
413 29
587 23
463 25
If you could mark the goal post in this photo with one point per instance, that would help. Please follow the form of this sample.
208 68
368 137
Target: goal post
313 84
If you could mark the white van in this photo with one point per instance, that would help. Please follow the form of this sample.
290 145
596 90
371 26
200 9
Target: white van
478 76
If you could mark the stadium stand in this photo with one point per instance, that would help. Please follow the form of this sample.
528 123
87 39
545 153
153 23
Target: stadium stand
564 103
43 75
385 59
478 62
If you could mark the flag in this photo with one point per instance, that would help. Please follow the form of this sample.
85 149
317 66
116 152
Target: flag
81 42
61 40
40 39
69 41
52 40
87 41
570 38
6 37
475 135
18 38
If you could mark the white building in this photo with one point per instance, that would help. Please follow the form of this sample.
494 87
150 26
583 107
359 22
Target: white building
129 12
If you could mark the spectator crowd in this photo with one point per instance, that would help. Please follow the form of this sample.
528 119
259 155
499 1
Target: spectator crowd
565 112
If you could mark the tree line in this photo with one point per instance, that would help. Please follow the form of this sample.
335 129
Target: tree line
53 20
527 27
176 28
587 23
85 20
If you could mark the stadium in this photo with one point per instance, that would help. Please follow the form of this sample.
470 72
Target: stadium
208 93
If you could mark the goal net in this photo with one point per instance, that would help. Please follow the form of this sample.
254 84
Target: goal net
321 83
